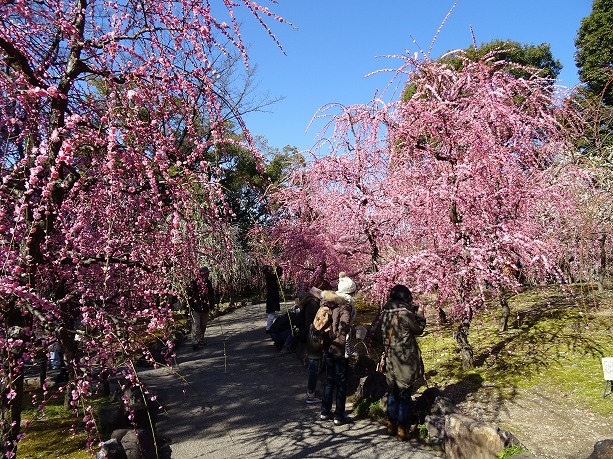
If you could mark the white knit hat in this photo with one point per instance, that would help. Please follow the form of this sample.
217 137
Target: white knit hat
345 284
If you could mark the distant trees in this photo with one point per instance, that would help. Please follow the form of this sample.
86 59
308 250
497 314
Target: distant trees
592 135
531 56
594 56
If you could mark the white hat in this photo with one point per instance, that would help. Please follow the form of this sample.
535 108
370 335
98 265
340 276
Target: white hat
345 284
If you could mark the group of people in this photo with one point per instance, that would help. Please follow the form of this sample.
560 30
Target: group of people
401 320
322 321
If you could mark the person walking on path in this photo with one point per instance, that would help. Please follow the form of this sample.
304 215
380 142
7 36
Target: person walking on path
401 322
200 298
334 356
273 303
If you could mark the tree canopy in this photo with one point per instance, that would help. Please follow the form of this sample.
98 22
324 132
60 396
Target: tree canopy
109 198
441 191
532 56
594 56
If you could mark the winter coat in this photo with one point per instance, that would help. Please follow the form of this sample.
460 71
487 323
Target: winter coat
341 322
200 295
308 308
284 322
404 365
272 292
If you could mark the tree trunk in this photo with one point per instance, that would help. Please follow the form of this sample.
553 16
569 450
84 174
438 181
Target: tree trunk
466 351
11 412
442 316
11 391
602 267
506 312
70 347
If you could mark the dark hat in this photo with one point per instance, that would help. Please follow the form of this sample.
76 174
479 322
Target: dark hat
204 270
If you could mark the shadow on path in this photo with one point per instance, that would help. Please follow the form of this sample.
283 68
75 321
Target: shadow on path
238 397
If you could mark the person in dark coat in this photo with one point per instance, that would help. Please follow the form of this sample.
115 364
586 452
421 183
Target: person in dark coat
273 303
401 322
309 306
200 298
281 332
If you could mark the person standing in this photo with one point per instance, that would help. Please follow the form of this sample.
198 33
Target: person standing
309 306
401 322
273 304
334 356
346 287
200 298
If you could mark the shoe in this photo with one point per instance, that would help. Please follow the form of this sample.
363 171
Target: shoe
403 433
392 428
311 398
326 416
342 421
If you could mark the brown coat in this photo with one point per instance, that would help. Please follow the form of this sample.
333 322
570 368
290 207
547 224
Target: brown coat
341 321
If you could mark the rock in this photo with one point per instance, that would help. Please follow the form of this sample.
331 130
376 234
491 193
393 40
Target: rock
372 387
110 418
364 366
138 444
443 406
436 427
602 450
467 438
111 449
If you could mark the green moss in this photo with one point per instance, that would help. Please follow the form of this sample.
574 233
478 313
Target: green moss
54 433
511 451
367 407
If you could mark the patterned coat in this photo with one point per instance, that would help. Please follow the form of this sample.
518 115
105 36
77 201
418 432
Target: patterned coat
404 365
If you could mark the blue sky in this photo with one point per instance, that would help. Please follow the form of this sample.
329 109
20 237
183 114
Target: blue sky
336 43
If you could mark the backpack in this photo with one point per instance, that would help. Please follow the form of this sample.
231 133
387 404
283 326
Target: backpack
322 324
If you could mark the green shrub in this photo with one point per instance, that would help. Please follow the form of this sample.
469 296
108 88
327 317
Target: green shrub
510 451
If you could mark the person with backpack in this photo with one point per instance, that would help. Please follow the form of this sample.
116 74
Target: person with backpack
309 307
401 321
334 337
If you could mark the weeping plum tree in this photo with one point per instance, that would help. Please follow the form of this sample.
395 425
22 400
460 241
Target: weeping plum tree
465 178
103 207
331 220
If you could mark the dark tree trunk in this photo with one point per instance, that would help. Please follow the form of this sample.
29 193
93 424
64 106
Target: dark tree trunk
10 406
442 316
466 350
506 312
70 347
602 267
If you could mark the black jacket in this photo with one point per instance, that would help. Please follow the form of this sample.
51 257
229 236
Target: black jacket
200 295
